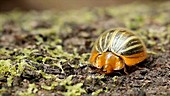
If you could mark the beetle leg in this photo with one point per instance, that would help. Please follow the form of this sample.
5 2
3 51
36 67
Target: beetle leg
121 65
124 69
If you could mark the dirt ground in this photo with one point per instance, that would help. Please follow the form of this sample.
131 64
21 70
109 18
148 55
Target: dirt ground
46 53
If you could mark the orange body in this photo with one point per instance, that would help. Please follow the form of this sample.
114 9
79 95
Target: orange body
110 62
116 59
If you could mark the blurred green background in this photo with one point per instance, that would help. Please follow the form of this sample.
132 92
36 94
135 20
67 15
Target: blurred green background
60 5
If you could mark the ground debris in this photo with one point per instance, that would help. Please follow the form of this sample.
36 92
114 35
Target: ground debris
47 54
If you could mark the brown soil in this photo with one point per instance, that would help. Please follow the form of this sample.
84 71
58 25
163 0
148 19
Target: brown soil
150 77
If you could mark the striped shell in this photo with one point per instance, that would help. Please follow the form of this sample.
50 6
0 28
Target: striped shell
120 42
123 43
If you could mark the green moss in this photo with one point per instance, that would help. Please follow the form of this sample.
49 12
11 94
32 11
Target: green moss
53 84
74 90
8 70
71 90
3 90
96 93
45 75
32 89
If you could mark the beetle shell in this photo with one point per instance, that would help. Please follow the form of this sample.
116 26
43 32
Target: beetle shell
124 46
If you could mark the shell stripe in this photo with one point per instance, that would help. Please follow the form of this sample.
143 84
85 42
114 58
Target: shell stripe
113 41
132 50
126 42
97 47
100 42
118 44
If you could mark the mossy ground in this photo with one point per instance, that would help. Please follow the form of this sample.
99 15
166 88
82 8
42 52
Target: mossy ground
46 53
